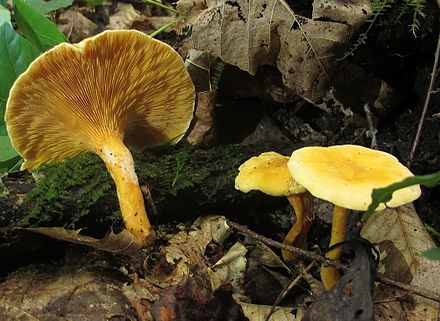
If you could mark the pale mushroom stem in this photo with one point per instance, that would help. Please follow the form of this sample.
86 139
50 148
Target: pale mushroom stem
329 274
120 164
297 236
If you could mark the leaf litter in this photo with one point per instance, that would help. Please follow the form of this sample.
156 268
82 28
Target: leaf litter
251 34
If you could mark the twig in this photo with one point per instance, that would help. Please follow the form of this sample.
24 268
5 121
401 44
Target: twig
425 104
288 288
371 128
428 294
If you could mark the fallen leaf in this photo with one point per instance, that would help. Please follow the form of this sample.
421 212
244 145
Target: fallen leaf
248 35
122 243
123 17
203 133
255 312
230 268
76 26
400 238
186 249
73 290
354 13
350 298
193 299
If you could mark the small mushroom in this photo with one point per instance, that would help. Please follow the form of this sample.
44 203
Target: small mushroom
269 174
346 175
117 89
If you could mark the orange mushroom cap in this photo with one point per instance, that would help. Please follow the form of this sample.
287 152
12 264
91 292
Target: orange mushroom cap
118 82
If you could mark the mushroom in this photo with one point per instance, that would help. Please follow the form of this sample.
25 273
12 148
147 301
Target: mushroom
269 174
116 89
346 175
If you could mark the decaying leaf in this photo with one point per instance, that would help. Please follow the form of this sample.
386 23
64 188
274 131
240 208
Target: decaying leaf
353 13
230 268
255 312
203 133
123 17
122 243
76 26
250 34
350 298
193 299
400 237
76 291
186 249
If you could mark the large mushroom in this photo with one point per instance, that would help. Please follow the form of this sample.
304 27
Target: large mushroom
346 175
116 89
269 174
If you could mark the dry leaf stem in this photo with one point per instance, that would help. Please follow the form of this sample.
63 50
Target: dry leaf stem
428 294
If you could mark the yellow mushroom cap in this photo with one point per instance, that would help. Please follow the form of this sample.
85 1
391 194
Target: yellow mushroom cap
346 175
121 83
269 174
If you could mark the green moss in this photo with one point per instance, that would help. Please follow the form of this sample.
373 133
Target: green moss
80 192
66 191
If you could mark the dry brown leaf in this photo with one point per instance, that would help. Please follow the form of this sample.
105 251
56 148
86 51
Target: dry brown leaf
255 312
400 237
76 26
265 32
186 250
74 293
203 133
230 268
123 17
353 13
122 243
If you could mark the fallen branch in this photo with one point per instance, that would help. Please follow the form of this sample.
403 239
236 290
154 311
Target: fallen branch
428 294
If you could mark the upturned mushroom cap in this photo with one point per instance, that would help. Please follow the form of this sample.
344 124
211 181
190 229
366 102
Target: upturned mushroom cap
269 174
346 175
118 82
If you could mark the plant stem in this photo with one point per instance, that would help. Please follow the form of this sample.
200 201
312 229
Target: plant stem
161 5
164 27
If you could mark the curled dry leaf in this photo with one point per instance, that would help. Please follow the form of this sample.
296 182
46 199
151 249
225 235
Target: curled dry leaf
230 268
122 243
265 32
203 133
400 237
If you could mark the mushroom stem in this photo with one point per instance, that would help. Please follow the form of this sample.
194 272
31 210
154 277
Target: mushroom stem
120 164
297 236
329 274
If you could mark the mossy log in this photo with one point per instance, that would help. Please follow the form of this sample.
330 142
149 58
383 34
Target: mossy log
184 182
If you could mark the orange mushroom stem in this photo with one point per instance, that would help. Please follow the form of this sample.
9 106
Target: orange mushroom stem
120 164
297 236
329 274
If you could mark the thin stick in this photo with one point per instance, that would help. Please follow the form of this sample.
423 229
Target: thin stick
428 294
288 288
425 104
371 126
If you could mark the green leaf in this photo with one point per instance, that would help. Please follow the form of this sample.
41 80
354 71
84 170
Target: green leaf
16 53
41 32
46 6
5 15
383 195
432 254
3 3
